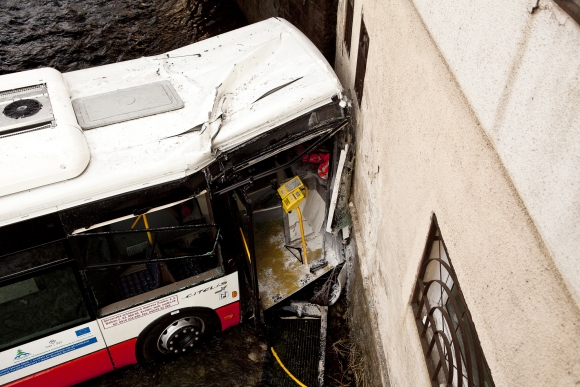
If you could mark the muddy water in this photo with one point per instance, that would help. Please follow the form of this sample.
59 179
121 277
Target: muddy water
71 35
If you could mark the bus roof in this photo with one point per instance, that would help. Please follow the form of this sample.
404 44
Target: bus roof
233 87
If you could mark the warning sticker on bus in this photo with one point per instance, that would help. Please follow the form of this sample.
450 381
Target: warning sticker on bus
141 311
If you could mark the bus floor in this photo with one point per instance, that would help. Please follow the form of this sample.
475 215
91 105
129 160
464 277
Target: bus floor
280 273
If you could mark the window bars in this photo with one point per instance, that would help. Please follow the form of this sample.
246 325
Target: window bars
348 24
450 344
361 65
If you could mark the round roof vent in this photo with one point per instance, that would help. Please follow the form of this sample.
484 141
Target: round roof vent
22 108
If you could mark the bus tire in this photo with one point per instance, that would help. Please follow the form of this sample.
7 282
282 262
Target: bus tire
176 333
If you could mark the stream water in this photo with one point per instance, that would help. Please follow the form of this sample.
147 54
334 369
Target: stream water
71 35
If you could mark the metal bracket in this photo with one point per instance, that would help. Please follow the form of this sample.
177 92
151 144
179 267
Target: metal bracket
301 260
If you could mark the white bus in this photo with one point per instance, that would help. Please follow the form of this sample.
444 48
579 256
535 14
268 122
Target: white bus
138 211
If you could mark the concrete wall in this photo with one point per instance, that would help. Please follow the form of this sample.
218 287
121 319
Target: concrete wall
470 111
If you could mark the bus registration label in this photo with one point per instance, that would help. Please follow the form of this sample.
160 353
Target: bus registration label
141 311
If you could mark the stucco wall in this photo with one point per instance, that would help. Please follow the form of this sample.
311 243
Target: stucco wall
490 168
518 64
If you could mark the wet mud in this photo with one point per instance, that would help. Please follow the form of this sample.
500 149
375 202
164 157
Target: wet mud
72 35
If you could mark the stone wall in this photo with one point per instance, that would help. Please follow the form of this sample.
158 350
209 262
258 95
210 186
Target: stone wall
315 18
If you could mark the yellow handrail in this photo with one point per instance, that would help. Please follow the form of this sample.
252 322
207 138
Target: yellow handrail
245 244
302 235
146 226
284 368
135 222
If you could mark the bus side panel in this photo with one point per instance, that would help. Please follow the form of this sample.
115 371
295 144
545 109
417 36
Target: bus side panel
121 327
229 315
124 353
54 353
68 374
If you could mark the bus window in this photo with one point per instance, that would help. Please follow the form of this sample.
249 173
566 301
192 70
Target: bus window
125 264
189 211
40 305
140 246
186 199
31 258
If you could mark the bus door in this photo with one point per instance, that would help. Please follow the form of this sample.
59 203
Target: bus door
242 212
273 237
48 336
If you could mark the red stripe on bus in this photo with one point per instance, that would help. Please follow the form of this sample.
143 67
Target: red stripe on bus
124 353
70 373
229 315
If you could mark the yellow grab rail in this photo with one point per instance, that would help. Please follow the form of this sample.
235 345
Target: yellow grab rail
245 244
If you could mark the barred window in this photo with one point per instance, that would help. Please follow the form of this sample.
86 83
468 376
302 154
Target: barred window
450 344
361 65
348 24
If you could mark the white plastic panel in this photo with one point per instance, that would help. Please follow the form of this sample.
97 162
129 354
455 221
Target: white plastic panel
126 104
129 323
50 351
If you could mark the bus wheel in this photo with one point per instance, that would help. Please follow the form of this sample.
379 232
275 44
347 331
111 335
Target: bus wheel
176 334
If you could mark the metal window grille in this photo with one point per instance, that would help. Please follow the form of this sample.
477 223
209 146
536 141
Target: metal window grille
361 65
348 24
450 344
572 7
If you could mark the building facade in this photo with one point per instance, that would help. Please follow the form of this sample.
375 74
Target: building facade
466 192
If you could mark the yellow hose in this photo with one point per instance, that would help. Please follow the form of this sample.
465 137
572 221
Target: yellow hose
245 244
302 234
284 368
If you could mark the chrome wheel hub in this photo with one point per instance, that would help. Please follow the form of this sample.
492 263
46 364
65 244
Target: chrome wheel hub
181 335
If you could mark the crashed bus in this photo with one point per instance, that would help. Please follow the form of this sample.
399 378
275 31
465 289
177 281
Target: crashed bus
139 203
